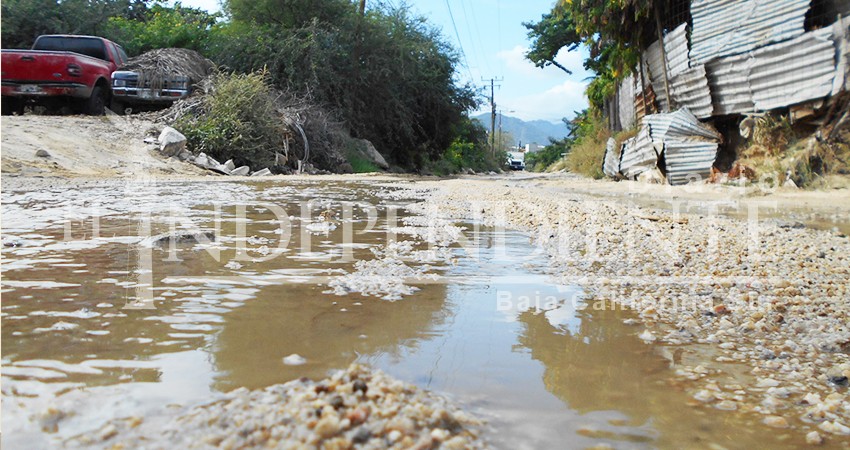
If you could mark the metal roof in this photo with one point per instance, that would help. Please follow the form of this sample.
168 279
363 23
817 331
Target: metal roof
638 154
690 90
731 27
688 161
611 164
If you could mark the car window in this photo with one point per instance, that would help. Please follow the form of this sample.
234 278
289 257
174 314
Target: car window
85 46
121 54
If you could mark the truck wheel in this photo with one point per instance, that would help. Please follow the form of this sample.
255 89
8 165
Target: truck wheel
11 105
96 104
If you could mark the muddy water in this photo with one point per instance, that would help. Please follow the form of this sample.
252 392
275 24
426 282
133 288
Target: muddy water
98 325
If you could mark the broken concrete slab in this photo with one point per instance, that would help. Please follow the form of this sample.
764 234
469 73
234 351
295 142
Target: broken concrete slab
230 165
262 173
171 142
240 171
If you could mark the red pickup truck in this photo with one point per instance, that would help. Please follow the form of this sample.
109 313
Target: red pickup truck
61 70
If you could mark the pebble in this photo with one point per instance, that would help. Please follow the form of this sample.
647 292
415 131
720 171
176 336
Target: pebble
647 336
814 438
285 416
294 360
776 422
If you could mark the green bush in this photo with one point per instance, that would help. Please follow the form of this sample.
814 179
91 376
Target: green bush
236 119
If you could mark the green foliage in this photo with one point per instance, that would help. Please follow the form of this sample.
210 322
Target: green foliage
360 164
163 27
587 152
25 20
470 150
290 13
542 159
613 31
388 75
238 119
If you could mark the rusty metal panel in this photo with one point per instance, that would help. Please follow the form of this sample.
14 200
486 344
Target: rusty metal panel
688 161
637 154
690 90
611 162
732 27
676 48
655 74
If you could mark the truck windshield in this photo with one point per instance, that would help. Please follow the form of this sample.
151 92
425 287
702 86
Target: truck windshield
86 46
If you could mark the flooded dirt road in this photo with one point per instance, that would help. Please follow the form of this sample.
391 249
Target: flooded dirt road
104 319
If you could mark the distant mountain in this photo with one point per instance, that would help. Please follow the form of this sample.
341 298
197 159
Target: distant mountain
535 131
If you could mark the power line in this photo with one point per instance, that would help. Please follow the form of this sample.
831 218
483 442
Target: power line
459 43
469 28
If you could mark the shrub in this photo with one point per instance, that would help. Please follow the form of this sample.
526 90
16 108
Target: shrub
587 153
236 119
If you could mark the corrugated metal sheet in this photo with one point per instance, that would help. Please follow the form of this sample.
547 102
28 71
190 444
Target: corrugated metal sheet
676 46
775 76
729 82
841 37
626 100
680 125
731 27
655 74
688 161
795 71
638 154
690 90
611 164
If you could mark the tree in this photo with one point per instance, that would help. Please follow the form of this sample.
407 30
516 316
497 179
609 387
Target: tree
399 93
163 27
25 20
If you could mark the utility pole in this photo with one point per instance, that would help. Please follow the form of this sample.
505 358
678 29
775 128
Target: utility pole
493 113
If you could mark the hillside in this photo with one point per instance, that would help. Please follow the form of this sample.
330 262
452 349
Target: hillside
538 131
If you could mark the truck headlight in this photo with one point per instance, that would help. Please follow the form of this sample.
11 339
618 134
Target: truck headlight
119 83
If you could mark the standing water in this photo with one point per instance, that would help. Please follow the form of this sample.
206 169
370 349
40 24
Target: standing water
268 282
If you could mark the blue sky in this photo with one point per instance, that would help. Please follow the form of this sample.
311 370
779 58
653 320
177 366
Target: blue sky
493 41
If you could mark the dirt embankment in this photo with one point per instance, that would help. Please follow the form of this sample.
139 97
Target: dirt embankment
108 146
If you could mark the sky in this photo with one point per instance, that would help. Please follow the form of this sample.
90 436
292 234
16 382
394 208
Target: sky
493 43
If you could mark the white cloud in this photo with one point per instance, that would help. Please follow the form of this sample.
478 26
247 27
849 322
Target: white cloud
552 104
516 63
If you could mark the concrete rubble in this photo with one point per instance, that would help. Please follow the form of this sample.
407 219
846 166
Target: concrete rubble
173 144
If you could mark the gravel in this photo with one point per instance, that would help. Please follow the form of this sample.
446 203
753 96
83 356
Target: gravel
355 408
772 297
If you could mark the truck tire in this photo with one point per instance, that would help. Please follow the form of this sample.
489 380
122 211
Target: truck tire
96 104
11 105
